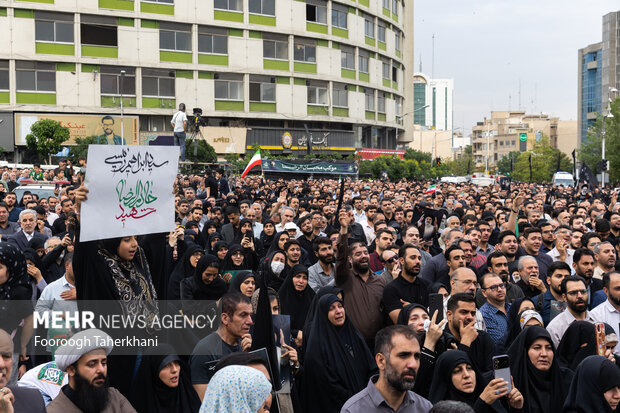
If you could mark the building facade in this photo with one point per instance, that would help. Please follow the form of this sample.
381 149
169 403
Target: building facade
273 67
590 71
432 99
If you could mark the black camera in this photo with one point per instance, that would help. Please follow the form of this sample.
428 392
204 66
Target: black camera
197 120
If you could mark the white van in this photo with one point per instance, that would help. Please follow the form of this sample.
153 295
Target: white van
563 179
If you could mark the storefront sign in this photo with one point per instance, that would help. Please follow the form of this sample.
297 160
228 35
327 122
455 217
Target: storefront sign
275 165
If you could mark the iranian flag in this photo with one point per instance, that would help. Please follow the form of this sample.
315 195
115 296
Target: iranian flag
431 189
255 161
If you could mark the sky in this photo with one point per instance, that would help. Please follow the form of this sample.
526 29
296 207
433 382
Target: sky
490 47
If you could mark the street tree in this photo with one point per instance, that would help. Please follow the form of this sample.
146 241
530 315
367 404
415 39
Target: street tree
46 137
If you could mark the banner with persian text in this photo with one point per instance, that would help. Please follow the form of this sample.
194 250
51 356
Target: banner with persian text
332 168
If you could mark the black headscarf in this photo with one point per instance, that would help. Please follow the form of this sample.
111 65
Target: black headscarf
228 263
338 362
594 376
151 395
212 236
219 245
295 303
239 235
578 342
513 328
313 311
442 387
436 287
182 270
403 316
17 288
200 290
543 391
267 240
235 284
274 244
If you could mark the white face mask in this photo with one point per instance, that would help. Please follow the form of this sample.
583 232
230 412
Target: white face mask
277 267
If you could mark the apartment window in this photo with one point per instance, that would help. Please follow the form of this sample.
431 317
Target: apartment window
275 47
386 4
399 106
230 5
35 76
386 70
514 143
4 75
266 7
369 96
381 102
158 83
395 74
340 95
339 16
395 7
381 31
212 40
397 40
316 11
98 30
111 82
175 37
363 62
305 51
262 89
229 87
53 27
369 26
501 143
347 56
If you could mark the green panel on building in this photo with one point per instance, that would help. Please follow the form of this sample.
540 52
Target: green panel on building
157 8
100 51
149 24
26 14
395 17
398 54
299 81
158 103
352 9
304 67
342 112
322 43
382 46
38 1
365 2
370 115
213 59
335 45
177 57
5 97
381 117
228 16
263 20
269 64
316 28
116 4
89 68
115 102
55 48
348 74
65 67
370 41
3 12
336 31
235 32
283 80
255 35
352 88
185 74
126 21
363 77
229 105
318 110
394 85
205 75
36 98
387 12
262 107
387 83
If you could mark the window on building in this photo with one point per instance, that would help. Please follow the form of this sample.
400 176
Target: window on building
395 7
399 106
395 74
35 76
369 26
386 4
229 87
265 7
162 1
386 69
381 31
316 11
305 50
369 96
363 62
397 35
175 37
339 16
158 83
381 102
98 30
275 46
317 93
212 40
514 143
262 89
347 57
112 81
230 5
4 75
340 95
53 27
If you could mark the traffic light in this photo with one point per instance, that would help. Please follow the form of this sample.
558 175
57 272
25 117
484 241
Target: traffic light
437 161
602 165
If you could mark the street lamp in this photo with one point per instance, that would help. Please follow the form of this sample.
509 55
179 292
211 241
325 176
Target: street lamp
122 126
606 115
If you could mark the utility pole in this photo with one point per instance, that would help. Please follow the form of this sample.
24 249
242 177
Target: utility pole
486 168
606 115
122 125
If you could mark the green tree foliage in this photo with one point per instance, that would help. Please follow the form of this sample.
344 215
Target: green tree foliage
414 155
544 162
204 151
80 149
503 165
397 168
460 166
46 137
590 151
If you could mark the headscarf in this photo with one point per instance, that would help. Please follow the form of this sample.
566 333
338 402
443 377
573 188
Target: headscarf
150 394
239 235
219 245
271 293
403 316
213 236
267 239
313 311
436 287
238 389
442 387
295 303
15 264
593 377
182 270
578 342
513 329
274 244
527 315
235 284
543 391
202 291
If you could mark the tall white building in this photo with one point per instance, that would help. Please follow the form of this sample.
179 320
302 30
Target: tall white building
433 99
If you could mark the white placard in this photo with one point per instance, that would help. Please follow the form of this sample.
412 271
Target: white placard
130 191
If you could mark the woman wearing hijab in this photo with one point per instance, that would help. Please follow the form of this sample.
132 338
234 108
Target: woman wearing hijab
238 389
212 239
578 342
246 235
595 387
536 371
279 240
220 250
36 270
163 384
313 311
205 284
185 268
245 283
513 328
272 267
337 362
238 258
296 297
268 233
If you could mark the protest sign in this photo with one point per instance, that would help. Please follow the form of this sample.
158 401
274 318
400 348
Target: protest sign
130 191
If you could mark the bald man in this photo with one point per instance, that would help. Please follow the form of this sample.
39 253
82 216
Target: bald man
14 399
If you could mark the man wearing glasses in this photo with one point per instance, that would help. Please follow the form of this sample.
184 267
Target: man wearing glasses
495 310
575 294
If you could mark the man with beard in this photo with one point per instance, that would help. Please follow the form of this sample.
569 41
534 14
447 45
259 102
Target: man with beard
86 364
7 227
614 223
609 311
306 238
382 242
495 310
60 224
411 235
583 264
575 294
548 237
455 258
498 264
362 289
11 199
231 230
321 274
397 355
509 246
14 398
408 288
605 255
556 273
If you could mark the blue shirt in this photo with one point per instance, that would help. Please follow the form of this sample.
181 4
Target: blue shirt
496 321
370 400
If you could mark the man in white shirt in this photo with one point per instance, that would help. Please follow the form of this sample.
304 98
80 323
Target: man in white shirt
575 294
179 123
609 311
605 255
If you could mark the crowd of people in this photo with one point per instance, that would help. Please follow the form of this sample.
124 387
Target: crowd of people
400 298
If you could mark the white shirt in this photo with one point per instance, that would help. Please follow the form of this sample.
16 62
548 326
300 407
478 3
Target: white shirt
557 327
555 254
359 218
28 236
50 297
51 217
178 120
47 378
258 228
607 313
369 231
